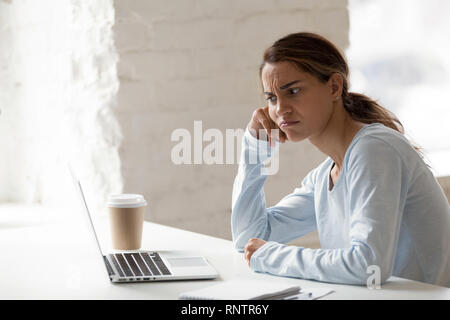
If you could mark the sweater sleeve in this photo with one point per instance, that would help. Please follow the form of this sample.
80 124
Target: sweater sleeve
377 182
291 218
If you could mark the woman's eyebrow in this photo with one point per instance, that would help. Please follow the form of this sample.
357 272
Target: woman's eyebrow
285 86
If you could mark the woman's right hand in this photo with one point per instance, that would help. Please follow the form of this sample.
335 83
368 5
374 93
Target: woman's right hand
261 120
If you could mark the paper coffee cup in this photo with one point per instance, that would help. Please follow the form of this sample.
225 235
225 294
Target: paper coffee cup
126 216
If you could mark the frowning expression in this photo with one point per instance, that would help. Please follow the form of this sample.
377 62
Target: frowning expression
299 103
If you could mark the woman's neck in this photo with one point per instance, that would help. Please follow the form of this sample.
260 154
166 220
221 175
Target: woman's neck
337 135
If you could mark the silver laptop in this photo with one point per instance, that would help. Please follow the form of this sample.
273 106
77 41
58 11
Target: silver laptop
137 266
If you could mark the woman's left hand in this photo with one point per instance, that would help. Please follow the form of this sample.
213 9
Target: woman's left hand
252 245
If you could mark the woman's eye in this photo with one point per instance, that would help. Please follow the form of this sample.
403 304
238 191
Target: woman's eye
271 98
294 90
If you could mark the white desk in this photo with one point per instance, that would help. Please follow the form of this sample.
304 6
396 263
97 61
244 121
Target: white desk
46 255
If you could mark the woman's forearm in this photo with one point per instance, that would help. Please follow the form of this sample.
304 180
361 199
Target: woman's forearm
249 217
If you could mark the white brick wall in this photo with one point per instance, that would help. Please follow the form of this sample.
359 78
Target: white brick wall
179 61
58 87
189 60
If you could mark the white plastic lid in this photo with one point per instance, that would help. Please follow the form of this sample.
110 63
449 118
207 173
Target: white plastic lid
126 200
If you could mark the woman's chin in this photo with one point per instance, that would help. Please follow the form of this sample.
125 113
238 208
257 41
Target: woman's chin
295 137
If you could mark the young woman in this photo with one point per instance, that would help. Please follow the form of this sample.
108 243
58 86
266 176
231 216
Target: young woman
373 201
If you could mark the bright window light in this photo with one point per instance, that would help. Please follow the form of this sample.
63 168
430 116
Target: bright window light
398 55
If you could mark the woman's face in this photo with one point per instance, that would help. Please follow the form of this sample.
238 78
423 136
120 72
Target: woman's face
298 102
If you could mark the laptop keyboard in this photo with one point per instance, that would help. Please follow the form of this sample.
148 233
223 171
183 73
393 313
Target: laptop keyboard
139 264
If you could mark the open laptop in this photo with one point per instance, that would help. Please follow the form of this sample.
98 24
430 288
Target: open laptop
137 266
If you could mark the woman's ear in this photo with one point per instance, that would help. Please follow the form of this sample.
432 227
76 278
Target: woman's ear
336 84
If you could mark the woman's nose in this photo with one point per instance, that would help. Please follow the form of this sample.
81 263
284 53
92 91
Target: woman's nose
283 107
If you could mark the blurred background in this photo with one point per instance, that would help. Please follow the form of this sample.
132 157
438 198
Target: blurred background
103 84
398 55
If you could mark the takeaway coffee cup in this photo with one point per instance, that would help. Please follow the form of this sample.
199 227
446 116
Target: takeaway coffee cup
126 216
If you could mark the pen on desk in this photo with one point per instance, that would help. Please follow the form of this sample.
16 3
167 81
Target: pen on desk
300 296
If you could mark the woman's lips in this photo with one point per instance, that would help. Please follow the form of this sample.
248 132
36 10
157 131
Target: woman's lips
285 124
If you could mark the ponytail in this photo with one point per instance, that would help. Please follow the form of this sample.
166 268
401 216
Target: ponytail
363 109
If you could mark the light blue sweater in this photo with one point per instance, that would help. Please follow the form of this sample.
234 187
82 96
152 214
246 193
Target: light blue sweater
386 209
